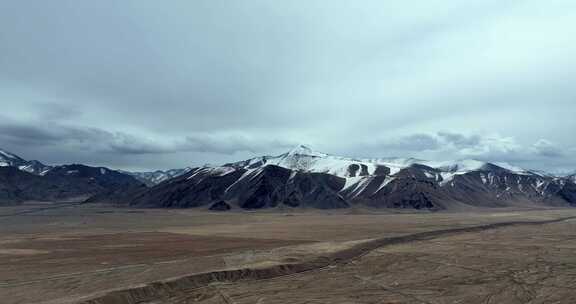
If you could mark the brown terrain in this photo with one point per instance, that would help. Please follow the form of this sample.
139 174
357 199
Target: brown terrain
66 253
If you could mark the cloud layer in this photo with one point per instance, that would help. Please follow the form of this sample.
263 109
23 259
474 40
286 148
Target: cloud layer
488 147
138 84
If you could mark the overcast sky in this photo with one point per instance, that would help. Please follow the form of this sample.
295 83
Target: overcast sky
166 84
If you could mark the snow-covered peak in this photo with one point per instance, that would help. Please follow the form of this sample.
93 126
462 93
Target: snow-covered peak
35 167
396 161
304 158
152 178
303 150
465 165
395 164
8 159
511 168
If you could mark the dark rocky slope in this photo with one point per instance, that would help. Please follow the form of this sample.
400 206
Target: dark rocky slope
414 187
268 187
69 182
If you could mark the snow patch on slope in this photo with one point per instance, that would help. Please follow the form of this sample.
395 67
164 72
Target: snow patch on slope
303 158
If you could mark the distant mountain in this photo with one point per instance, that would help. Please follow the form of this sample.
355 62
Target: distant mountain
69 182
152 178
306 178
8 159
22 180
100 176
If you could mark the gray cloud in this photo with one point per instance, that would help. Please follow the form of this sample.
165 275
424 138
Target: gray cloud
167 85
53 111
102 141
460 140
445 145
413 142
546 148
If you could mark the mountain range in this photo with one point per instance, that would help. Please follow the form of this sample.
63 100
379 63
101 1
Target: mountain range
22 180
8 159
152 178
304 178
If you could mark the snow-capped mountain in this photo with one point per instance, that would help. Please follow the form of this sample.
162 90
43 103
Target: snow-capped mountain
152 178
22 180
8 159
304 159
300 177
307 178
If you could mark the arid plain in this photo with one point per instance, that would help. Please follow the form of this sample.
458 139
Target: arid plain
69 253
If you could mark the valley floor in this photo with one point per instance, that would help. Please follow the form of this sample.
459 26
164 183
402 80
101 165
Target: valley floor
73 253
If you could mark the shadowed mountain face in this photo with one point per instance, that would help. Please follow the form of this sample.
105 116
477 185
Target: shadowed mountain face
98 176
305 178
151 178
8 159
57 183
70 182
266 187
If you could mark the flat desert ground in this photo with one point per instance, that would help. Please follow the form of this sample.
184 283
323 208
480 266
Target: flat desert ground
69 253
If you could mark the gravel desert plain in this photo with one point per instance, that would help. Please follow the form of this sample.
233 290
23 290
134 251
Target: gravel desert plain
98 254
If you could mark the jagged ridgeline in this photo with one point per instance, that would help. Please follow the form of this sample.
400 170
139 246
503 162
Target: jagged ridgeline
22 180
303 178
299 178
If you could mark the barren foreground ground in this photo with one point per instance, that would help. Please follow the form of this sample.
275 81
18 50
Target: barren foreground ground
96 254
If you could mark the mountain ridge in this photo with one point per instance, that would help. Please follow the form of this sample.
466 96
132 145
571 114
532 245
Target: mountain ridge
302 177
151 178
22 180
305 178
8 159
